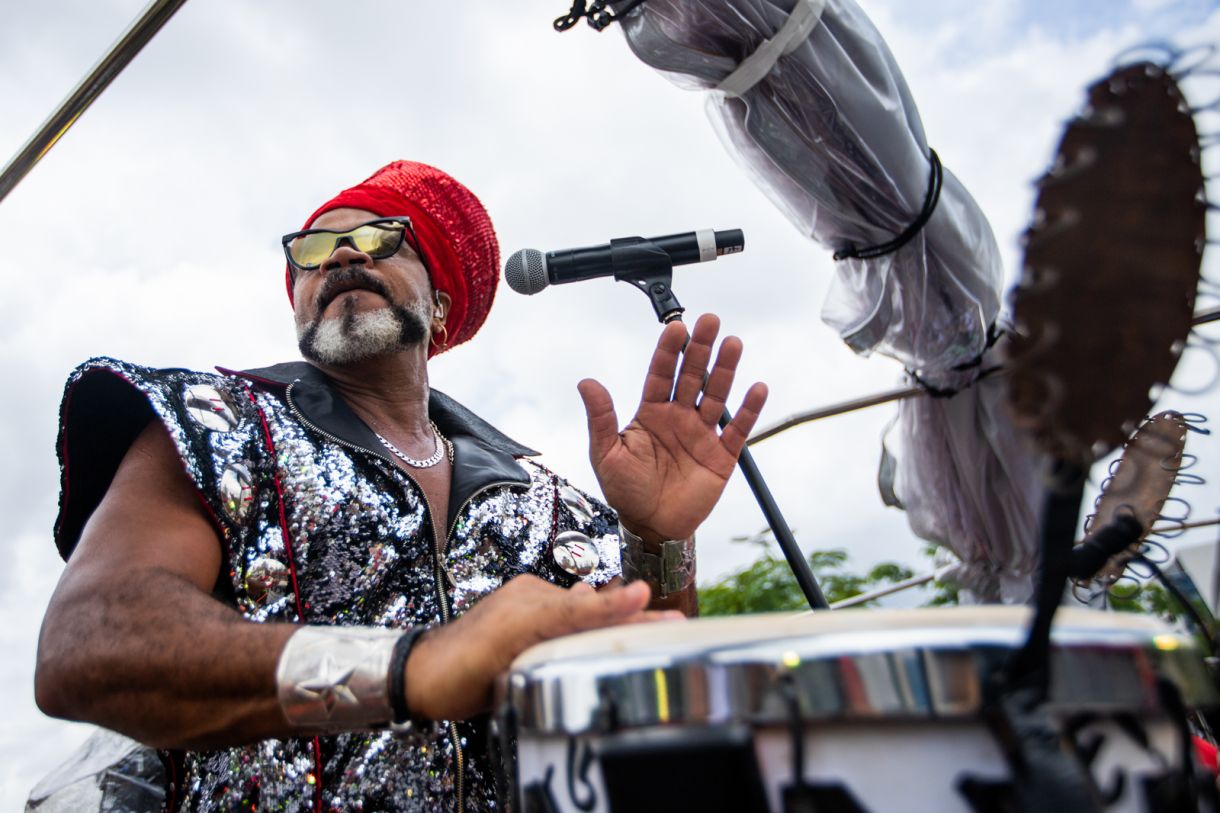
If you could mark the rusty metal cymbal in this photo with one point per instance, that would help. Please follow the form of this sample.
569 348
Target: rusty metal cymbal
1106 296
1140 482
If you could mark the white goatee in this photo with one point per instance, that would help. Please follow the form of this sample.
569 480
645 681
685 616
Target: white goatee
353 337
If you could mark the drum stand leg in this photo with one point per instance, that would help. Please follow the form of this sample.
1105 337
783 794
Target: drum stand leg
653 274
802 796
1030 667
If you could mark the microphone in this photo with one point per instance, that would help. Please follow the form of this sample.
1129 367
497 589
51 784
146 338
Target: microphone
529 270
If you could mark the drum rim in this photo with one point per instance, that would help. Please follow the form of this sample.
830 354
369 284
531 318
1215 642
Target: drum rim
847 672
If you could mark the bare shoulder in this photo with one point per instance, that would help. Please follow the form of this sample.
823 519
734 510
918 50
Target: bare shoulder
151 516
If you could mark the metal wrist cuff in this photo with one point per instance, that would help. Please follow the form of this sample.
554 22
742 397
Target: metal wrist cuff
332 679
672 572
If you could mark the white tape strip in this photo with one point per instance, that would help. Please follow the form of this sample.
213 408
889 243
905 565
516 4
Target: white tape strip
801 21
706 240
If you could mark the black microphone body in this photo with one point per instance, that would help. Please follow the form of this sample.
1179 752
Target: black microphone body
529 271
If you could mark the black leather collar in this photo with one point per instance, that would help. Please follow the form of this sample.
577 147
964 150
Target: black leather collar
482 454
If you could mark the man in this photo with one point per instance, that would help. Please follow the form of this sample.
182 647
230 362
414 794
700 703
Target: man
265 570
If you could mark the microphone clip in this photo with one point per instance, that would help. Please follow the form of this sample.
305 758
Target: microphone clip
651 269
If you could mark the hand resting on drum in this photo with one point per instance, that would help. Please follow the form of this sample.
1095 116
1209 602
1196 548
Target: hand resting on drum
452 669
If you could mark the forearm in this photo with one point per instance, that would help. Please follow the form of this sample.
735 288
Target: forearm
153 657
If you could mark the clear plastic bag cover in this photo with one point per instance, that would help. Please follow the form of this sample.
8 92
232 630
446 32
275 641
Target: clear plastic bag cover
968 482
834 138
109 773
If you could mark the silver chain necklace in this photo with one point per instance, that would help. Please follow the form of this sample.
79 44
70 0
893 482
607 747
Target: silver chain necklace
442 446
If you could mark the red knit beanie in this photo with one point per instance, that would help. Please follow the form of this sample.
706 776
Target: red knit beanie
457 241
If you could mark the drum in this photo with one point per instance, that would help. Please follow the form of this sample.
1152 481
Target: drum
856 710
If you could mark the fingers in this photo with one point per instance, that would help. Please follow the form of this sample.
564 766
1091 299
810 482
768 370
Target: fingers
452 668
659 383
603 423
613 606
695 358
720 381
551 611
735 434
598 608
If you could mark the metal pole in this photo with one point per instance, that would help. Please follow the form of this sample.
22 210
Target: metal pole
779 527
1185 526
882 592
154 16
1202 317
834 409
745 462
917 581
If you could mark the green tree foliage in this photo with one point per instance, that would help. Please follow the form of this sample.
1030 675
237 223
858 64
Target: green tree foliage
1148 598
768 585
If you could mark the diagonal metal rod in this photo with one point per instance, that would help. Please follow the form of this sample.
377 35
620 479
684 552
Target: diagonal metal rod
919 581
882 592
1185 526
154 16
780 529
1202 317
834 409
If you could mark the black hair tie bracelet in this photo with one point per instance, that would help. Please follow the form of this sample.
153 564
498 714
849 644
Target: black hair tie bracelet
398 672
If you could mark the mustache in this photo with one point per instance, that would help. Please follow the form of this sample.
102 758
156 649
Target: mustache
345 279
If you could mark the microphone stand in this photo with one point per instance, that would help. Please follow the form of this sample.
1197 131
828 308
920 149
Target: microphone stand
652 272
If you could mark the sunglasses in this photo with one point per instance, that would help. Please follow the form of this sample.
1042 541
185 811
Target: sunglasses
381 238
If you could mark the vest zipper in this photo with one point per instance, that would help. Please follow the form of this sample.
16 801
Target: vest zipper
439 572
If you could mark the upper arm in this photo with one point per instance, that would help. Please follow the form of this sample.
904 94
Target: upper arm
150 517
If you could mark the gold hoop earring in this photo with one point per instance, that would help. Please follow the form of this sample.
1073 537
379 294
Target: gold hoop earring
443 344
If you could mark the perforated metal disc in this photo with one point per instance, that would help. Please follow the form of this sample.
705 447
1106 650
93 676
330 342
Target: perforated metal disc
1107 292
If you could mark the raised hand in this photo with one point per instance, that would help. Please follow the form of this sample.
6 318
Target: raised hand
665 471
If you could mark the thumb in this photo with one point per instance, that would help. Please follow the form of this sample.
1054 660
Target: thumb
603 423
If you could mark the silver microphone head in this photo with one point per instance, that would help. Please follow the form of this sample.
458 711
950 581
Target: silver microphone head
525 271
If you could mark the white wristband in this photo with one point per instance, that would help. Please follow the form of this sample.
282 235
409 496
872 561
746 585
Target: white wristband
332 679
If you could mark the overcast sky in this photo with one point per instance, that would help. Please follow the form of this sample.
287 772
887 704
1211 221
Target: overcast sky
151 232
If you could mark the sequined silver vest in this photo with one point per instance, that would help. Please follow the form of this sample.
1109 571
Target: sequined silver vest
319 527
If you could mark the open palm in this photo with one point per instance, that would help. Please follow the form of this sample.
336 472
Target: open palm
665 471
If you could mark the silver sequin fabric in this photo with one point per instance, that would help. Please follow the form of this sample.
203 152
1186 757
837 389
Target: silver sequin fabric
356 532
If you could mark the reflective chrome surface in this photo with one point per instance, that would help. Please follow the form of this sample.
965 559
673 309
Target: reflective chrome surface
847 665
576 503
267 580
209 407
575 553
237 492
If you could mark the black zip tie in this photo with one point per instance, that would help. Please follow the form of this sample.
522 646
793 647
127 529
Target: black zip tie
994 332
598 14
935 179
